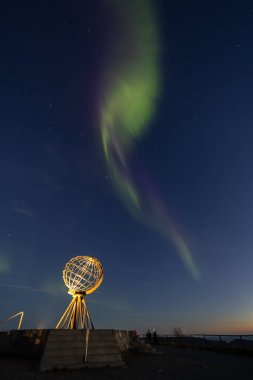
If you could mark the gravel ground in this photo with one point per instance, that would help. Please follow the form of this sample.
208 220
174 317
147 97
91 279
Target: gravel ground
170 363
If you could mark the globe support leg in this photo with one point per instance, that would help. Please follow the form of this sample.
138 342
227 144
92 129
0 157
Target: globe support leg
76 315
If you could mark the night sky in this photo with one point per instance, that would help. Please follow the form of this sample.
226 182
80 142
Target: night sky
59 195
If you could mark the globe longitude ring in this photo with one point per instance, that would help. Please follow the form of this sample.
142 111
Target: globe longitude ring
83 274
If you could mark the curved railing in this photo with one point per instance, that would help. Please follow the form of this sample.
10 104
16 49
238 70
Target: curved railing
21 313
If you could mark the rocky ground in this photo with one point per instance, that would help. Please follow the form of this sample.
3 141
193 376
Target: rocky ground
167 363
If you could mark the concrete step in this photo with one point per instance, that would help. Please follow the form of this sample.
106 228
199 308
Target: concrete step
58 345
105 364
97 338
106 358
64 351
79 332
67 332
101 331
64 359
60 365
63 332
102 350
66 338
101 343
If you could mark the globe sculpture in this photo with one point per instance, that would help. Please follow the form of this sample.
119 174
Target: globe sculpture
82 275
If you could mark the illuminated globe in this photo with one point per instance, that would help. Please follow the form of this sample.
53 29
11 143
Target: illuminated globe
83 274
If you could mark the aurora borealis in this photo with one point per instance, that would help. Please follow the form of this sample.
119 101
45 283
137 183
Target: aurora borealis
127 109
126 134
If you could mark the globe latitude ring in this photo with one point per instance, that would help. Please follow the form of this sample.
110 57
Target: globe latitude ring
83 274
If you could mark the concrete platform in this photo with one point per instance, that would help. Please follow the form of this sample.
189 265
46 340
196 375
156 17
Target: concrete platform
66 349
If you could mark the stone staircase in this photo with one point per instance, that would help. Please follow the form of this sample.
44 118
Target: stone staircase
103 350
65 349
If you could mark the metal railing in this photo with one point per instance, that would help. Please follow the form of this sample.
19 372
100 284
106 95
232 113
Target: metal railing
21 313
210 341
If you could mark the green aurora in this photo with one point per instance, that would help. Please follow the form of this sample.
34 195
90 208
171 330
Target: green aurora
128 106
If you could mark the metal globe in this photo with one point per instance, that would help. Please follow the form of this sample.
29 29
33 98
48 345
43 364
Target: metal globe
83 274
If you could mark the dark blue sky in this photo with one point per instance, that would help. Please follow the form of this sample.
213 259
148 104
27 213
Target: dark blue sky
56 196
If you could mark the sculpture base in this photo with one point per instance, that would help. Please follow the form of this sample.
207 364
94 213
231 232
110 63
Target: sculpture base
69 349
66 349
76 315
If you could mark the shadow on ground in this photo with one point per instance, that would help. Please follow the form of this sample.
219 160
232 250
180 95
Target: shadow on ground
169 363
